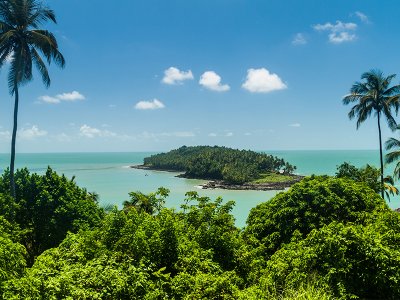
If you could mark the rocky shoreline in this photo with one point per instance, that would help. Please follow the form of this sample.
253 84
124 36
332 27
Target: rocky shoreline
266 186
220 184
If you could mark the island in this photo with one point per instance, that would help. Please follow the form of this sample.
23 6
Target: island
225 168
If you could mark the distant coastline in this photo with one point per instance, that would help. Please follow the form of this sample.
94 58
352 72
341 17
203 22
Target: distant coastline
220 184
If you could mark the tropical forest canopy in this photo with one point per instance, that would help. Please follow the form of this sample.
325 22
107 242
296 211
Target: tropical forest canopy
221 163
325 238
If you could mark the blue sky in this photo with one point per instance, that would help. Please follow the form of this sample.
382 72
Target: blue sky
155 75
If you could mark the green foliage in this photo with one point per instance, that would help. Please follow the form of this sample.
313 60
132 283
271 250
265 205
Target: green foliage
150 204
312 289
12 254
212 226
355 260
394 155
206 286
376 95
133 254
46 207
273 177
310 204
221 163
368 174
325 238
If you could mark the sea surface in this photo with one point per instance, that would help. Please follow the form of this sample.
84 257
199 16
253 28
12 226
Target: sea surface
109 175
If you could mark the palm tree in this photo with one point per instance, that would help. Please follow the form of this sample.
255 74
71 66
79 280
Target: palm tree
151 203
376 95
393 156
390 189
23 44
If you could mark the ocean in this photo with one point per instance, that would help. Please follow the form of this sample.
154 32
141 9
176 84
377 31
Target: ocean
109 175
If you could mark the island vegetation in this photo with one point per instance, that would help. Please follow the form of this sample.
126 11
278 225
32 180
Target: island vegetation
226 167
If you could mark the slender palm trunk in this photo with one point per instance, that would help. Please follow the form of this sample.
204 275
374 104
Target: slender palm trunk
13 139
380 153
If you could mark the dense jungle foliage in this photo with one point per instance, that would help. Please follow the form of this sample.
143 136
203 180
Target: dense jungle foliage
221 163
325 238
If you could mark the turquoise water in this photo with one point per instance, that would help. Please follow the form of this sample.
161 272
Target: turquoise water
108 175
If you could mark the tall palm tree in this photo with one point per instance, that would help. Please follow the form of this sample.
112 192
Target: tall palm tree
23 44
374 95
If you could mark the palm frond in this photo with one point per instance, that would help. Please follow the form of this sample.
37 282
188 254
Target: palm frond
47 45
394 90
392 143
20 71
41 14
389 118
41 67
392 157
396 172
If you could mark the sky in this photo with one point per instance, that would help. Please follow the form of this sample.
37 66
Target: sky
155 75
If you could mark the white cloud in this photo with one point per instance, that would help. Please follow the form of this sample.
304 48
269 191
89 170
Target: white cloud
339 26
31 133
212 134
262 81
146 105
340 37
295 125
73 96
92 132
212 81
229 134
339 32
363 17
299 39
68 97
48 99
174 76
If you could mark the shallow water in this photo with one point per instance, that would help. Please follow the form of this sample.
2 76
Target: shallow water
109 175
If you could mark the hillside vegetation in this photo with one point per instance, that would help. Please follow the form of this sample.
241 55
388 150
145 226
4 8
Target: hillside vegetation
325 238
219 163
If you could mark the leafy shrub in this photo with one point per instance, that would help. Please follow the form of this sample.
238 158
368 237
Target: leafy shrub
136 255
355 260
46 208
310 204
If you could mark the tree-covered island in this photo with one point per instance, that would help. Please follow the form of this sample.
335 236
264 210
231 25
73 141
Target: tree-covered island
225 167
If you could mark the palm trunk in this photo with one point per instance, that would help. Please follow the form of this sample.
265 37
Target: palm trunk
380 153
13 139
